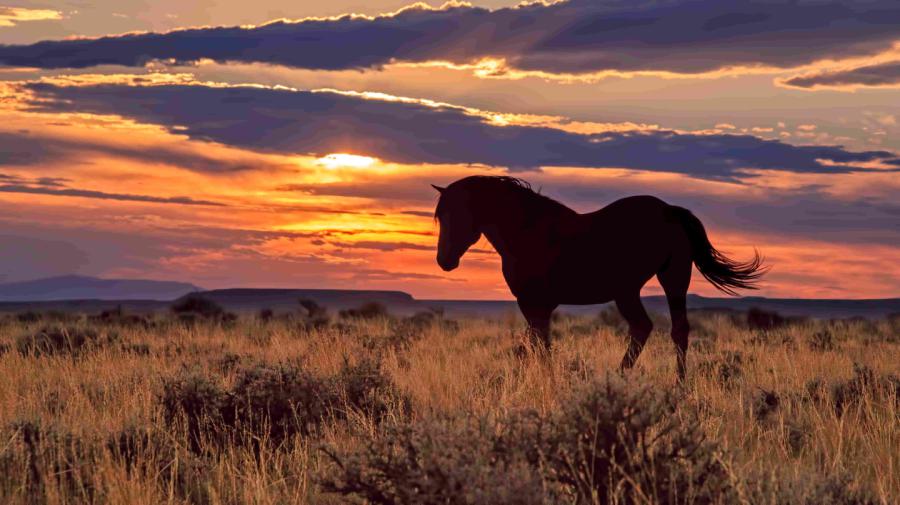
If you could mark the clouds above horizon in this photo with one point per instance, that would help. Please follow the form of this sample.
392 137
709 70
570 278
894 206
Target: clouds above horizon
409 131
884 74
569 37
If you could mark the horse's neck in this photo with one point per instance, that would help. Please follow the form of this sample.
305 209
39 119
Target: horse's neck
510 226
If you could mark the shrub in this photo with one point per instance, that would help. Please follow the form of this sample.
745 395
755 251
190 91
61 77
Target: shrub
71 340
194 308
117 317
150 454
50 462
822 341
277 402
759 319
274 402
622 443
196 399
197 305
316 316
848 393
726 368
808 489
366 388
611 318
439 462
369 310
764 403
29 316
611 443
265 315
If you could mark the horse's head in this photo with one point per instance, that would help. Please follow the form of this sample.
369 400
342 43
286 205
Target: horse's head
459 229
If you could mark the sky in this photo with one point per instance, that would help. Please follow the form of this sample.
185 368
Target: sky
293 144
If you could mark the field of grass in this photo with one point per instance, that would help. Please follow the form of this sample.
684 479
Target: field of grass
206 408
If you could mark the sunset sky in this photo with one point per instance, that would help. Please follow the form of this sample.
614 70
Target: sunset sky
285 143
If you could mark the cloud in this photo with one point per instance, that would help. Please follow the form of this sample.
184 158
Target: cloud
56 186
885 74
568 37
24 148
11 16
409 131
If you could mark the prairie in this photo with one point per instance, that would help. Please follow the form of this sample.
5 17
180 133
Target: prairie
207 407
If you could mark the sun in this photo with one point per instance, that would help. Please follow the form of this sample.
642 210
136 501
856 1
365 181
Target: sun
343 160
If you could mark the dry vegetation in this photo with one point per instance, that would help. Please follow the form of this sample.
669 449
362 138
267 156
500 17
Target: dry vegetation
199 406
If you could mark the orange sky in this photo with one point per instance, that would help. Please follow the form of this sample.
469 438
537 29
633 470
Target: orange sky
134 193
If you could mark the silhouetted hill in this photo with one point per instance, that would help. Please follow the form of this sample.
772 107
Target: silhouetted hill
397 302
245 299
75 287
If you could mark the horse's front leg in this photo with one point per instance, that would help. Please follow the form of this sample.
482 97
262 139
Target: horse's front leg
538 314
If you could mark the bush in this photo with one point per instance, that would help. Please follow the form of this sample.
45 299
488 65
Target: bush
759 319
29 316
117 317
198 305
50 462
71 340
265 315
611 443
822 341
277 402
765 403
611 318
725 369
439 462
848 393
274 402
367 389
199 401
193 308
369 310
150 454
621 443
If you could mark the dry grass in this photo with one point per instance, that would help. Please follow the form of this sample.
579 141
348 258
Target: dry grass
802 413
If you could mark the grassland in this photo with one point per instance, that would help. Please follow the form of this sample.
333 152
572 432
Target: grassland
207 408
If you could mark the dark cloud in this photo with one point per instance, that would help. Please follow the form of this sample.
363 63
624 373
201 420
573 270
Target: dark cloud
24 149
577 36
57 186
318 123
86 193
882 74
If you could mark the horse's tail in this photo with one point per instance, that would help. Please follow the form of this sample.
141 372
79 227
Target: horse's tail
724 273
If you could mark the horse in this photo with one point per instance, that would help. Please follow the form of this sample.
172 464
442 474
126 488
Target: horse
552 255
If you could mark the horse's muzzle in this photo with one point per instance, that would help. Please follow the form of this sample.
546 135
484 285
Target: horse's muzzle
448 264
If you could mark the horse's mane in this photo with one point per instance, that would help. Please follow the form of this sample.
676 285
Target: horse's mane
519 187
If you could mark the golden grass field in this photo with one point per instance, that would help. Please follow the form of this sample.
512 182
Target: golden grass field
806 413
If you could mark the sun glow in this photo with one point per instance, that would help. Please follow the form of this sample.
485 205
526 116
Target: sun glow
342 160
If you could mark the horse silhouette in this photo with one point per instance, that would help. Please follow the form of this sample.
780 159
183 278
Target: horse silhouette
552 255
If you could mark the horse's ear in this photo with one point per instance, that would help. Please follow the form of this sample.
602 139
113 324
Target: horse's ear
438 188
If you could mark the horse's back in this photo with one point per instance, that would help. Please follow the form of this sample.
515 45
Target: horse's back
620 247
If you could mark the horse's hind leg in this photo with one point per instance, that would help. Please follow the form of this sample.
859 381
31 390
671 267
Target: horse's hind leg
639 327
675 279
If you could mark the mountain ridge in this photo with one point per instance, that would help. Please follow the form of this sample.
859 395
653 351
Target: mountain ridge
400 302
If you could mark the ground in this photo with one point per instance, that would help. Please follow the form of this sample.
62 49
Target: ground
278 408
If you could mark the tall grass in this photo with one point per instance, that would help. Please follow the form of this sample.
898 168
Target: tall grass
277 410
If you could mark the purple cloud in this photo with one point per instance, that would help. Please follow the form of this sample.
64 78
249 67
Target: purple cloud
317 123
881 74
575 36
